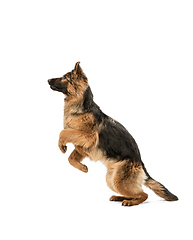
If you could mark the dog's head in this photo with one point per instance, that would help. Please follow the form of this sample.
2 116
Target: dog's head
72 84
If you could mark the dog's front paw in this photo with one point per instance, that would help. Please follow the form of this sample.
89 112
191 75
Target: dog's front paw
84 168
64 149
62 146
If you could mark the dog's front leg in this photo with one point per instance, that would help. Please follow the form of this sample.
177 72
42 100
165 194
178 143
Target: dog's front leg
62 144
65 137
75 159
77 137
82 141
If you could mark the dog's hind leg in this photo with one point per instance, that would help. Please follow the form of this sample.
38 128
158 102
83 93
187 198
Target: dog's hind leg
135 201
75 159
126 178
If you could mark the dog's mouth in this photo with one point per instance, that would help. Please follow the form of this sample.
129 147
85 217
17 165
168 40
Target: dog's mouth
55 88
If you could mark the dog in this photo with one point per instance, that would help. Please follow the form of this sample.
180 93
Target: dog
99 137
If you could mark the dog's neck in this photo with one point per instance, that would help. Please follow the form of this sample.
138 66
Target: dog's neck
82 104
72 107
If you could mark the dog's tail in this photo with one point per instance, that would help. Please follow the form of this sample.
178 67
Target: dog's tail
159 189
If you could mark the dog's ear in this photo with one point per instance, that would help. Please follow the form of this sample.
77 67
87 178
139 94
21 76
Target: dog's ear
78 70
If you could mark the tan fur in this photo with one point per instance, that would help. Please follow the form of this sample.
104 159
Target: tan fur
80 138
128 185
83 122
75 159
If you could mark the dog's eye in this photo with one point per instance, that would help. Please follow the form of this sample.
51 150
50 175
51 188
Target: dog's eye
70 79
64 79
67 79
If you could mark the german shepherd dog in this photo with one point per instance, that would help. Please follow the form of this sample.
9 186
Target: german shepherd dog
99 137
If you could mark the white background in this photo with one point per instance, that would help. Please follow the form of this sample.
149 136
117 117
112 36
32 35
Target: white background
138 57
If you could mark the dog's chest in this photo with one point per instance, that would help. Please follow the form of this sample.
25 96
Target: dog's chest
84 122
68 122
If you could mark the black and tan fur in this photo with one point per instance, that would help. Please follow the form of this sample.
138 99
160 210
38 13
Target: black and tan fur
99 137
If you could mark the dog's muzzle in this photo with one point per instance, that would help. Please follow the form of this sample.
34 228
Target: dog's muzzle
50 81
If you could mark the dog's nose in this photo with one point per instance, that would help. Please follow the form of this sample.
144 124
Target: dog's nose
49 81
